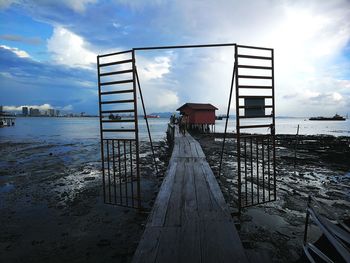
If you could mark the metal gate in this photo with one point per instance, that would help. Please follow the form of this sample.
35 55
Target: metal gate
119 128
255 125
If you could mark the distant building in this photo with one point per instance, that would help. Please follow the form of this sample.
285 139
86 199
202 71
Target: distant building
51 112
0 109
201 116
34 112
25 111
57 113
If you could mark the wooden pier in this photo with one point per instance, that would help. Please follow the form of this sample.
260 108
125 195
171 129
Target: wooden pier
190 220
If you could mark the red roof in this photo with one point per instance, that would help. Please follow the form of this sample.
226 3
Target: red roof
198 106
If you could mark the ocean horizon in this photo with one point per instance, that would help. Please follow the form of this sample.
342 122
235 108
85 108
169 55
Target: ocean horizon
87 128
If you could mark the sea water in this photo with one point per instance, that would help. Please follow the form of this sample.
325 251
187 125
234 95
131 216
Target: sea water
71 129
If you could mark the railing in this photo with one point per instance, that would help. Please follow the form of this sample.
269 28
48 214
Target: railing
337 236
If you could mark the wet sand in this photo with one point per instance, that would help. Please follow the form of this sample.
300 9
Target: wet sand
277 228
51 204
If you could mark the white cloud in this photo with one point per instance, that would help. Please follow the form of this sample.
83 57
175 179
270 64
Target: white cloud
308 39
70 49
42 107
139 4
155 68
76 5
166 99
6 3
67 108
18 52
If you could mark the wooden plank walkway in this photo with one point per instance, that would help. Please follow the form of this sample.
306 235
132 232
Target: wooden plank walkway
190 220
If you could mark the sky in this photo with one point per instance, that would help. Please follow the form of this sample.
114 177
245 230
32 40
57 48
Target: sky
48 51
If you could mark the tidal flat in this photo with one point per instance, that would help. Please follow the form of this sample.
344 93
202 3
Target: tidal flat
51 203
321 169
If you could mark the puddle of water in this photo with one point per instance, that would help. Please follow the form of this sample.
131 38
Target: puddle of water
7 187
264 219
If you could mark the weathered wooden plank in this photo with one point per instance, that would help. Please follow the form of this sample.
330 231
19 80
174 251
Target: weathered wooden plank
148 246
189 205
190 221
174 209
205 208
189 242
157 216
220 243
214 187
168 249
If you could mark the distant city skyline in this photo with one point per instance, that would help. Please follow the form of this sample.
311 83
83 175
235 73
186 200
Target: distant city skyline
48 51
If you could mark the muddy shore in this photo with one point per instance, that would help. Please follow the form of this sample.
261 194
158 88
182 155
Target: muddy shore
321 169
52 209
51 204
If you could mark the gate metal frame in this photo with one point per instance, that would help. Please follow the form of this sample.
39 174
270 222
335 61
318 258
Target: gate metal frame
260 139
136 82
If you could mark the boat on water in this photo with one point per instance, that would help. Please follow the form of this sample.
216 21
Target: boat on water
151 116
114 117
336 117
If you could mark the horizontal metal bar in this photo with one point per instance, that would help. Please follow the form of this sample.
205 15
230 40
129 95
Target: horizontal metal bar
116 101
187 46
115 63
253 47
256 116
117 111
254 77
254 97
117 92
118 130
132 139
256 136
115 53
121 120
255 126
116 72
117 82
253 67
253 87
255 107
254 57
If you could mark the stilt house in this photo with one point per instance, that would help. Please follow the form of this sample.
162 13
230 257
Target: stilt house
201 116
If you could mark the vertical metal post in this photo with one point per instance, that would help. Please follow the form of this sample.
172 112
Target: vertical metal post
131 175
273 123
120 174
238 131
115 185
257 169
245 171
125 174
263 165
109 173
101 133
136 131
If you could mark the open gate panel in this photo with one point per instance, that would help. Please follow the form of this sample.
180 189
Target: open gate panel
119 129
255 125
